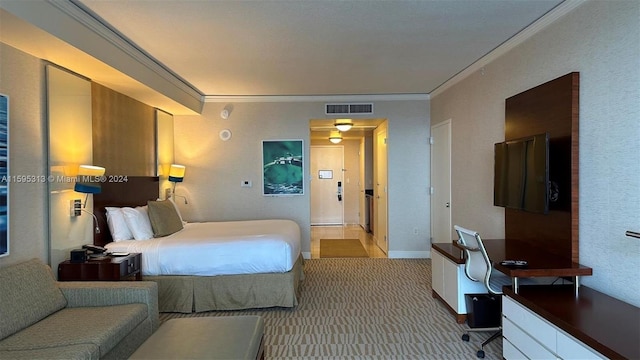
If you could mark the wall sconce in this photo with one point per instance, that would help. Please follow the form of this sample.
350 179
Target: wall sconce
88 181
335 138
176 175
343 124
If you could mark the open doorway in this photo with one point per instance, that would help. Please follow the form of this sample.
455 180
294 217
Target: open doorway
354 174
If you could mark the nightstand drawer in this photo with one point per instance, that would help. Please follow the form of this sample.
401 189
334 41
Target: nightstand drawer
129 265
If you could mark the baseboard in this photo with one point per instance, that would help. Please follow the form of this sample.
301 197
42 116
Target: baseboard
409 254
393 255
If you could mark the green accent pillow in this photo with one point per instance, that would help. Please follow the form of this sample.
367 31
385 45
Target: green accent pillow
164 218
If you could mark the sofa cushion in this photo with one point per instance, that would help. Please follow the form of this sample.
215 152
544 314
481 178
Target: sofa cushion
68 352
104 326
28 293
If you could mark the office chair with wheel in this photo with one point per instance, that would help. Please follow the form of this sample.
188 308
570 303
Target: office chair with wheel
478 267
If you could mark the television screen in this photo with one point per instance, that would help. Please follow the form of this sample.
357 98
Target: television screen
521 174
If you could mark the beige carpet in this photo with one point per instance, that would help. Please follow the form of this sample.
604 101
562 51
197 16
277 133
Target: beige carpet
364 309
342 248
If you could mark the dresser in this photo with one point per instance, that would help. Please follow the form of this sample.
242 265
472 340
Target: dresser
552 322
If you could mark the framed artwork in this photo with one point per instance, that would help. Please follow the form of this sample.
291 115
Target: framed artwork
282 167
4 175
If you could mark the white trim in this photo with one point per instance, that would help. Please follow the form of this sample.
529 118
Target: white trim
409 254
306 254
538 25
313 98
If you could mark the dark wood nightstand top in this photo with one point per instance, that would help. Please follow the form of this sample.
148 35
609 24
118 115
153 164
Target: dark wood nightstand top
113 268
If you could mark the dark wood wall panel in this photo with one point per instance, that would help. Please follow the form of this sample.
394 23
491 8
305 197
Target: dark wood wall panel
553 108
123 133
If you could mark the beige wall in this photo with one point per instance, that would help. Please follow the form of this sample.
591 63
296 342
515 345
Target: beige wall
215 168
22 79
600 40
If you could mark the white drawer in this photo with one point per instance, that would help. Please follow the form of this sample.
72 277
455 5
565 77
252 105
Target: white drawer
527 345
535 326
571 348
510 352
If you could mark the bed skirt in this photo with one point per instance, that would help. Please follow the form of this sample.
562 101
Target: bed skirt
186 294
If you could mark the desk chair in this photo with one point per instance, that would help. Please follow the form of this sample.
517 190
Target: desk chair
478 267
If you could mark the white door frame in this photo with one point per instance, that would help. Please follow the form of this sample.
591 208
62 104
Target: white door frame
441 228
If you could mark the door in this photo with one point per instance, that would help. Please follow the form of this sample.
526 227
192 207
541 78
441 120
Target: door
380 194
441 228
327 207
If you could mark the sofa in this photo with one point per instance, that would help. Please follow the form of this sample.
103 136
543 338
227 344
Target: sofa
41 318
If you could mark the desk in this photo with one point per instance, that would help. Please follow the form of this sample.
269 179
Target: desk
540 262
449 283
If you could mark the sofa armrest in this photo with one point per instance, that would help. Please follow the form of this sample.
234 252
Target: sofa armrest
105 293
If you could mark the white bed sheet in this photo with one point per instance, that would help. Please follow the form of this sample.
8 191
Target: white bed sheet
219 248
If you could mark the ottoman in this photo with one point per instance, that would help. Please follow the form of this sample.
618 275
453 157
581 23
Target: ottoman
226 337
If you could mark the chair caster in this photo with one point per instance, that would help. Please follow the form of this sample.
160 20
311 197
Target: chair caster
480 354
465 337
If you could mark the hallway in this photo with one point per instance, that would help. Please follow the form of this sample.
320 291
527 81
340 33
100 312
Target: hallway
343 232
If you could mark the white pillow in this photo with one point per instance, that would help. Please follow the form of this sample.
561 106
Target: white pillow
138 222
117 224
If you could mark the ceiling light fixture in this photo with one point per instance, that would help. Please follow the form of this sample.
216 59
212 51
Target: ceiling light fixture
343 124
335 138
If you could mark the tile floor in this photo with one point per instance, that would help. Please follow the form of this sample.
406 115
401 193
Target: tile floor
343 232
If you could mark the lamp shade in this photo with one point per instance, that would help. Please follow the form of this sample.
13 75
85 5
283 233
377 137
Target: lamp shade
343 124
90 170
89 179
176 173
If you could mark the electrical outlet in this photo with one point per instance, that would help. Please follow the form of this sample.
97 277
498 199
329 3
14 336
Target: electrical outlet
415 231
76 207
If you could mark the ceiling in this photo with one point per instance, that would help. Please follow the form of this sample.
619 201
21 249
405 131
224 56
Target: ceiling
272 50
317 47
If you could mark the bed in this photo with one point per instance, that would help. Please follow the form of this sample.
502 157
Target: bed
247 264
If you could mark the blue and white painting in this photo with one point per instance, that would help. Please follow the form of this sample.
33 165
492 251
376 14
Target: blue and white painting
4 173
283 167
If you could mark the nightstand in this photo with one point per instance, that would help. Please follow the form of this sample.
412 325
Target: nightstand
113 268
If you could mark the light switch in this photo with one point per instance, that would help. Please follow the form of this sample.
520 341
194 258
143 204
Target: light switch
246 183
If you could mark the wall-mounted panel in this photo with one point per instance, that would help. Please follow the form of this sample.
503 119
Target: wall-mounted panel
69 118
123 133
552 108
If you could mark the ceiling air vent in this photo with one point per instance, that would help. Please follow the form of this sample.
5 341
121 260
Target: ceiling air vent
345 109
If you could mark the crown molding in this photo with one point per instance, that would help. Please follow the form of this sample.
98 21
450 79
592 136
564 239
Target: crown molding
314 98
550 17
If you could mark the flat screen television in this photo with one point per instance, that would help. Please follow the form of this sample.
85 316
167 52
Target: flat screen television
521 174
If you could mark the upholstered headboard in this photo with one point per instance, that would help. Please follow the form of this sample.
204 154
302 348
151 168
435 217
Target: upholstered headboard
135 191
